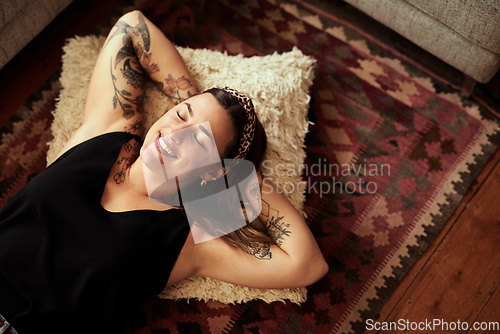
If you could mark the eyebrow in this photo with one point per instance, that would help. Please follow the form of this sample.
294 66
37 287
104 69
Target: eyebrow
208 134
205 131
189 109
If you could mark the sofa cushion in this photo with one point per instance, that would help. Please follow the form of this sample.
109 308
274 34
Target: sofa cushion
8 10
476 20
22 20
433 36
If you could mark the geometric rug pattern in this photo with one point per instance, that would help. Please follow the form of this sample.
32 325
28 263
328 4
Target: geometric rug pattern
388 160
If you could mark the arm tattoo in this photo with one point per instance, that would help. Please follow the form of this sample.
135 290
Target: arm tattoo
141 29
131 152
276 227
134 77
261 251
133 53
129 103
175 86
136 45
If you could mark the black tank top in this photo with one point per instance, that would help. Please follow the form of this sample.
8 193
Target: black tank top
68 265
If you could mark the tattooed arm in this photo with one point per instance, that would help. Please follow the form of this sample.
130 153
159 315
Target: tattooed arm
135 49
295 260
157 57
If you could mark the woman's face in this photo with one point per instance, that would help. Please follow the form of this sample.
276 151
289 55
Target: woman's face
193 134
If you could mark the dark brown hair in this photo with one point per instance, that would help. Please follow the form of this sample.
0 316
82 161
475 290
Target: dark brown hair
254 232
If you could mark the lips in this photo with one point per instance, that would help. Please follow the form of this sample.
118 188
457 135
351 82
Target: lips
164 146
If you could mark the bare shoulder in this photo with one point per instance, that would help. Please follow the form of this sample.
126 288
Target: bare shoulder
88 131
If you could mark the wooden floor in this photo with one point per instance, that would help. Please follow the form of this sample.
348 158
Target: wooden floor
458 277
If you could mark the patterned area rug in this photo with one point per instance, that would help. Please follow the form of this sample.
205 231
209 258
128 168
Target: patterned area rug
389 157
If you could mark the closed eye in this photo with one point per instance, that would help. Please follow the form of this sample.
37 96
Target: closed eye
180 117
198 142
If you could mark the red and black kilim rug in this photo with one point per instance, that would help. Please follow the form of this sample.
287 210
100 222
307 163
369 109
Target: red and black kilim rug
390 155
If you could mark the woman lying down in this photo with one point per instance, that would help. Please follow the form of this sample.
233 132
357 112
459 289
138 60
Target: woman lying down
114 220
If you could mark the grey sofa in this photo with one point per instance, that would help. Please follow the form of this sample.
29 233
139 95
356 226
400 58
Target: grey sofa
22 20
462 33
